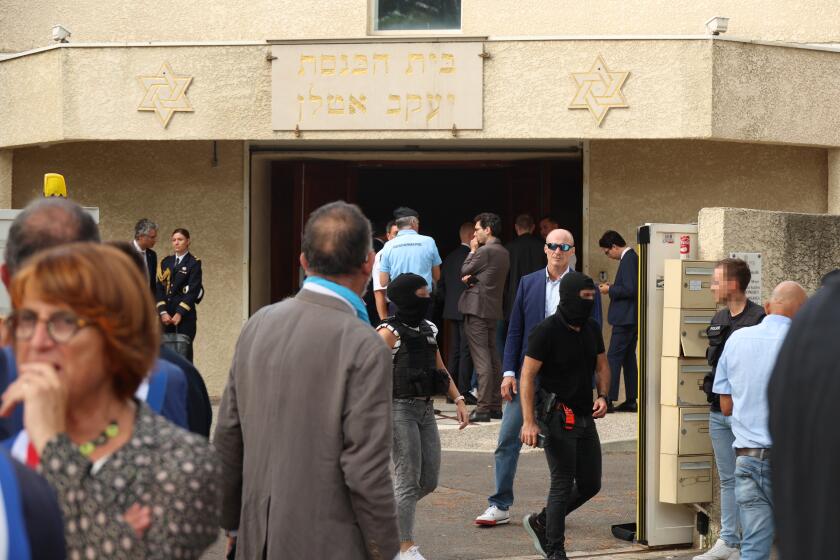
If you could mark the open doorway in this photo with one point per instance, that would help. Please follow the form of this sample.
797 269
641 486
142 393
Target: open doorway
445 193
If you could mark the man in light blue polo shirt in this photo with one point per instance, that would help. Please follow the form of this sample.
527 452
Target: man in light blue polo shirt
743 373
409 251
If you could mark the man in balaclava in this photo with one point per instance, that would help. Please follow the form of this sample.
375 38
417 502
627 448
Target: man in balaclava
564 350
410 308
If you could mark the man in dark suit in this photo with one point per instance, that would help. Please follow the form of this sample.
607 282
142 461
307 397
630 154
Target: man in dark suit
450 288
537 297
484 272
145 237
622 316
526 256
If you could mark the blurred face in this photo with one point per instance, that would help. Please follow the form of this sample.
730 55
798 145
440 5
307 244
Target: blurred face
148 241
481 234
392 233
180 244
76 352
721 286
613 252
546 226
558 259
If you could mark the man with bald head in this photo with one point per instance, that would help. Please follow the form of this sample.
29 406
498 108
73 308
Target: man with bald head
537 297
741 379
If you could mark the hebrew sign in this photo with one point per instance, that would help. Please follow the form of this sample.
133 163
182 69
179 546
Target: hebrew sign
400 86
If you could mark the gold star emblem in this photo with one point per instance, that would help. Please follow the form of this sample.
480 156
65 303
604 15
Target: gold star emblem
165 94
599 90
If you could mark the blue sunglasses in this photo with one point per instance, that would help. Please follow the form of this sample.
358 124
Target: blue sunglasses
562 246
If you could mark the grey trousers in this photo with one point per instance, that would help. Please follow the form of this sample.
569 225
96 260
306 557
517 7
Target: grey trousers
481 334
416 458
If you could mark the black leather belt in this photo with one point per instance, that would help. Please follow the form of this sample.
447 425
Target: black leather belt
757 452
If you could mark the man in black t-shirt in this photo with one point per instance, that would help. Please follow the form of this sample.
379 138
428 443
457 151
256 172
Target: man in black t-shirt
564 350
729 284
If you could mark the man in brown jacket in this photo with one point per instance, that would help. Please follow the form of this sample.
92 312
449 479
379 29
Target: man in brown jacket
484 272
304 429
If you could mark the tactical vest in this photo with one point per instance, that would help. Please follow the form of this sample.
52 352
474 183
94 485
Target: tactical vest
415 365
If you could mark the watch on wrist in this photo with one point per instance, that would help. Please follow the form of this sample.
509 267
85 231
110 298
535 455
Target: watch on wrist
602 396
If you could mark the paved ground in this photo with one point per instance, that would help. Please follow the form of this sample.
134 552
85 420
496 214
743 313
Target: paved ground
445 528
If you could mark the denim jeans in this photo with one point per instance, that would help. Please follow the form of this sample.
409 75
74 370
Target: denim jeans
416 458
753 492
574 462
720 430
507 453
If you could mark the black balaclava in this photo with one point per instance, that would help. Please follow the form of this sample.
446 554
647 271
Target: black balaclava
411 308
574 309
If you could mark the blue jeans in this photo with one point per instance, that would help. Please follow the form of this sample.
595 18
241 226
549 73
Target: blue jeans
507 453
720 430
753 492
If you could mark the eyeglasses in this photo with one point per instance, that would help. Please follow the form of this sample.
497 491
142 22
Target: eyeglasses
61 325
565 247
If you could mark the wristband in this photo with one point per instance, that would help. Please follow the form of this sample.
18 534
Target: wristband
603 397
459 398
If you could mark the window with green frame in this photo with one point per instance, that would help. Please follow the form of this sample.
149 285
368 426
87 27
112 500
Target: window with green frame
416 15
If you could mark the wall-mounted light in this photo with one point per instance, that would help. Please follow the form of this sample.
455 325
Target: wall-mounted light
60 34
717 25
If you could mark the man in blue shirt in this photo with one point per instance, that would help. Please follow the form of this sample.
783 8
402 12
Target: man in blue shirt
409 251
743 373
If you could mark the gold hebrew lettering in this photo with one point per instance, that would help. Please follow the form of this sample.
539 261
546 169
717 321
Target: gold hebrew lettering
449 60
415 57
380 58
361 65
394 110
408 99
434 106
346 70
305 59
335 105
358 104
328 65
451 98
315 99
300 99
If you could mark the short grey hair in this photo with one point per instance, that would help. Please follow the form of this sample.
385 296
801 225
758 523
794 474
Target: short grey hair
407 222
44 224
144 226
337 239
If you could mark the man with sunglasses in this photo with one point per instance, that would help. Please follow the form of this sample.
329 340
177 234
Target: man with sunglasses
537 297
622 316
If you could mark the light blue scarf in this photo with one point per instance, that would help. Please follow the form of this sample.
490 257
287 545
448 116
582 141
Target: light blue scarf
346 293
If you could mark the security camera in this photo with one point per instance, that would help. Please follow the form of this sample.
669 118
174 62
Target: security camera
60 34
717 25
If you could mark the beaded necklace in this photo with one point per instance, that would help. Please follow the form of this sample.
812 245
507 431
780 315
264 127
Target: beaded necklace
111 431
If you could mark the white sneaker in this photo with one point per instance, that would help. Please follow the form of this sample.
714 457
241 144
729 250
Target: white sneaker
412 553
719 552
493 516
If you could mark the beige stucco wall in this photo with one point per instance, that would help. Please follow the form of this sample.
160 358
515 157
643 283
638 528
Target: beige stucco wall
174 184
793 246
631 183
6 166
26 25
834 181
31 92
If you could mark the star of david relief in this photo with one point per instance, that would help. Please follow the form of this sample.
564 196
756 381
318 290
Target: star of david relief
165 93
599 90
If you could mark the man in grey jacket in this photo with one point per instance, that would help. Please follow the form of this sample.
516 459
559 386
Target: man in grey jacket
304 430
484 272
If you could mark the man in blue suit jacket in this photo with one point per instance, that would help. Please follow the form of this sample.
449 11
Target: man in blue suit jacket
622 317
536 298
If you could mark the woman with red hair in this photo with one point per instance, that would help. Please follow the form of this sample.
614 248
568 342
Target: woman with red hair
85 334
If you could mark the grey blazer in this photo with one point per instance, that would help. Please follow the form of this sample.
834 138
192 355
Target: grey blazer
489 267
304 435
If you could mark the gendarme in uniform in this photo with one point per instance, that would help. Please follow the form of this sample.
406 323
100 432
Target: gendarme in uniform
179 290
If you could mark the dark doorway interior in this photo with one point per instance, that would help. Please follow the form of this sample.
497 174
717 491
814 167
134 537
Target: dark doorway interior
444 193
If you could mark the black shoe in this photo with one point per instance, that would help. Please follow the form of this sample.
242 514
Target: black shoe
477 416
496 414
558 555
470 399
610 407
536 532
627 406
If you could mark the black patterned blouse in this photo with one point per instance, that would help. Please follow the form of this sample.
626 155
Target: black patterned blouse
174 472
